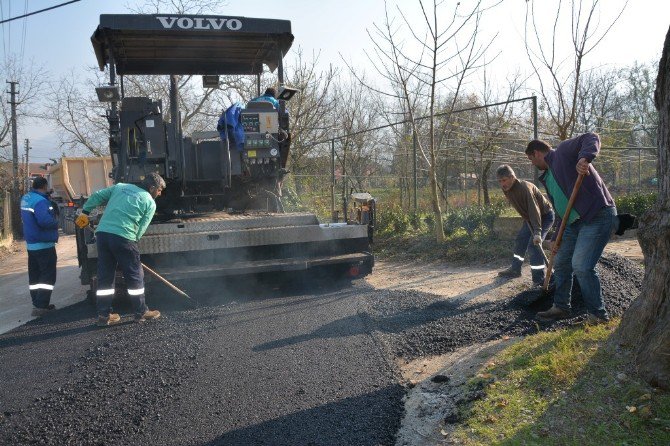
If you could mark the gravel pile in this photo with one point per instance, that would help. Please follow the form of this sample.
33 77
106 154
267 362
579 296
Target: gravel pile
412 324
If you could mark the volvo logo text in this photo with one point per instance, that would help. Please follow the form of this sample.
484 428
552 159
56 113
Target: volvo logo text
200 23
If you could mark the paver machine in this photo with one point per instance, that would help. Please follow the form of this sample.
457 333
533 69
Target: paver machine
221 213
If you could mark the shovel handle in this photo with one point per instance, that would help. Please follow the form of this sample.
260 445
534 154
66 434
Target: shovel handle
165 281
561 229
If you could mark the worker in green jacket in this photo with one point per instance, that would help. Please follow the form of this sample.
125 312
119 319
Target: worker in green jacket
128 212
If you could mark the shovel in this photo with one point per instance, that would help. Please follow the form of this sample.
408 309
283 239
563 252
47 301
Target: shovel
559 236
166 282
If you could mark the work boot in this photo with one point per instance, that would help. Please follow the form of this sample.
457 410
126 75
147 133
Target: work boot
510 273
148 315
112 319
626 221
591 319
553 314
39 312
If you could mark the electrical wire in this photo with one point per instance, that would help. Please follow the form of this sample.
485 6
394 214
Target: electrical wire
23 36
37 12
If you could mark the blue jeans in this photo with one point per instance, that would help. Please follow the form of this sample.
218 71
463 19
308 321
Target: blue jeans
582 245
524 243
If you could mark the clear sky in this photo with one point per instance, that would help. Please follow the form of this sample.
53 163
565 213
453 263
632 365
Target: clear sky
60 39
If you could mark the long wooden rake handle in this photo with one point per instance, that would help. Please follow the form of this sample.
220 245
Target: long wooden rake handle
165 281
559 236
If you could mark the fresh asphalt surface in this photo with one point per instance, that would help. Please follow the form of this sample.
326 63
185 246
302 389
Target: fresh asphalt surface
252 365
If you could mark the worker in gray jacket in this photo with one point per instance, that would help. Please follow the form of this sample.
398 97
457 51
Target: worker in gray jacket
538 216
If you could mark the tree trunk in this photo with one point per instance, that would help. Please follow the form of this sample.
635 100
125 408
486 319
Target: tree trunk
646 325
485 184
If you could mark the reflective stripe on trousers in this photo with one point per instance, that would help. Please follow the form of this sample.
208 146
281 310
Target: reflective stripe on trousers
41 286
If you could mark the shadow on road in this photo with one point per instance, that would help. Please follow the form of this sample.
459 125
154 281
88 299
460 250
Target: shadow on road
432 308
366 420
68 321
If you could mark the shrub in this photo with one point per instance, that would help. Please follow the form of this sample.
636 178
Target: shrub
393 221
291 200
472 218
635 203
416 219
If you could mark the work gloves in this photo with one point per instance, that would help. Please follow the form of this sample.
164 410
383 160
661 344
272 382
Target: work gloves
537 240
82 220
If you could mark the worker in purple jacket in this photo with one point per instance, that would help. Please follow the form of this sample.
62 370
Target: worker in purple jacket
590 224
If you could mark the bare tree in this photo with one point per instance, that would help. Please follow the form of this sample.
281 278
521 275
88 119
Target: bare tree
78 116
30 78
447 53
495 121
638 103
559 85
313 110
599 101
600 109
176 6
646 325
359 147
197 107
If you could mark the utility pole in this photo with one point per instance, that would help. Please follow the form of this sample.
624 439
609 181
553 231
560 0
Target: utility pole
15 146
15 160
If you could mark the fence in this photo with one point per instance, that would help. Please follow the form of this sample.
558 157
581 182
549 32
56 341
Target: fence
387 161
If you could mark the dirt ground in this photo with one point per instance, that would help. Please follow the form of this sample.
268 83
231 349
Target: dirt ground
437 382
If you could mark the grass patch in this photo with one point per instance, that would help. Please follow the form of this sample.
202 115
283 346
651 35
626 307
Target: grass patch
569 387
459 248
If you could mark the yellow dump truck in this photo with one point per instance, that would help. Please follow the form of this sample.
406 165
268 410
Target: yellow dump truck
73 180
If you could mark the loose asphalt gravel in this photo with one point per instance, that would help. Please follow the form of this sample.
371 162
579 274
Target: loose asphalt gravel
296 367
412 324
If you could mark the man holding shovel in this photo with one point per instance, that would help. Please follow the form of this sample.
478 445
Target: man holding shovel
538 216
128 212
570 179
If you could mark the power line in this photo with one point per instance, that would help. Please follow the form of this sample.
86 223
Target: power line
23 37
37 12
4 40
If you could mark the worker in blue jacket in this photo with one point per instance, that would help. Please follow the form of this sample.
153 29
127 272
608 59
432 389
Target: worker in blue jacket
40 230
590 224
270 96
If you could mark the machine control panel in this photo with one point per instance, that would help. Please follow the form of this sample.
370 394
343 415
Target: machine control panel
260 122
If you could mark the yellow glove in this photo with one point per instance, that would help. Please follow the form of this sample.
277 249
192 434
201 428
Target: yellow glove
81 221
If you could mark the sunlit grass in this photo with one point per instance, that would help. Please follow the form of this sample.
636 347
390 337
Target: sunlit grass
568 387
